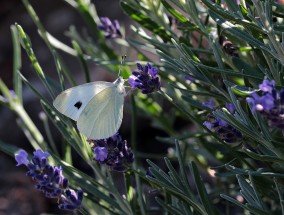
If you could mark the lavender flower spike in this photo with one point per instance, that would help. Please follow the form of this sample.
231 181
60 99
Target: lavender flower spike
270 103
111 29
145 79
48 179
224 131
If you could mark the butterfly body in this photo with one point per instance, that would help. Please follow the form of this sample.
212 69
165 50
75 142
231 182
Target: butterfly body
97 107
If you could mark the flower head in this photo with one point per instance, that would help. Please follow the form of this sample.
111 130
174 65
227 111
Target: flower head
113 152
270 103
48 179
224 130
145 79
111 29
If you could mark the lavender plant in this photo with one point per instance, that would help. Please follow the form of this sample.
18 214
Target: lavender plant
209 79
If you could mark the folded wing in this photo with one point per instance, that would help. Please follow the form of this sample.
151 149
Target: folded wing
73 101
102 117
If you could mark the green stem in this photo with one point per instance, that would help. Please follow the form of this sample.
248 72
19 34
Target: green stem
35 133
134 148
49 135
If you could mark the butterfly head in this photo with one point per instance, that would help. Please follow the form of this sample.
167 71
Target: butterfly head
119 83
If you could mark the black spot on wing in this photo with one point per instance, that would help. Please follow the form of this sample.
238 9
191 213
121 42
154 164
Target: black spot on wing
78 105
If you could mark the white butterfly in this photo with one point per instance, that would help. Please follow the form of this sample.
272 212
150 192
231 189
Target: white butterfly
97 107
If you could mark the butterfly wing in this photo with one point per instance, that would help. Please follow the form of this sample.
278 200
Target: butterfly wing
102 117
73 101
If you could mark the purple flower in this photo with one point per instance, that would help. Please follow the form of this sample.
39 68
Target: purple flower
113 152
41 154
223 130
209 104
270 103
145 79
71 200
22 158
111 29
48 179
101 153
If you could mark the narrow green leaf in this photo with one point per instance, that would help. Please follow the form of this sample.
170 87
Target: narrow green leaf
28 47
182 170
17 64
179 16
230 16
169 208
82 60
201 189
247 190
247 69
257 211
230 199
259 157
174 175
145 21
9 149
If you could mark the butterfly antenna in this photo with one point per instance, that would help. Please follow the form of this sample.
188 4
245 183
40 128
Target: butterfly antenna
123 58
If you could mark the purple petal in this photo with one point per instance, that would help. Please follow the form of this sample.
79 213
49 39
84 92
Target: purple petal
267 85
153 71
22 158
101 153
41 154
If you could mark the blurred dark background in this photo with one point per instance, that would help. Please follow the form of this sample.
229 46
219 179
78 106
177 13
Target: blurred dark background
17 193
